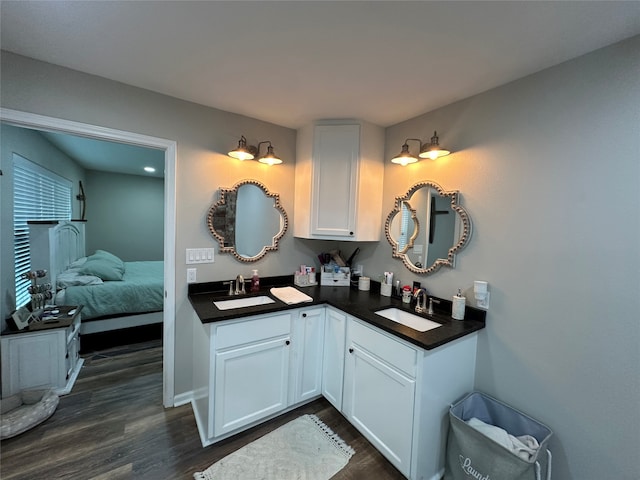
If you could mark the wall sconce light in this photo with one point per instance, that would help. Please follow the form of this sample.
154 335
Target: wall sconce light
405 157
433 149
249 152
430 150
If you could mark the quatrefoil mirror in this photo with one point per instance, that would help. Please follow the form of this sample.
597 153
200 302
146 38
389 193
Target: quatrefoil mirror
427 227
247 220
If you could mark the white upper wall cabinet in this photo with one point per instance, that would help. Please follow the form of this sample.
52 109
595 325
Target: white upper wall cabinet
339 175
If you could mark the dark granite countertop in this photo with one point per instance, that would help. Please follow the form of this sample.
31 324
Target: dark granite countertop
360 304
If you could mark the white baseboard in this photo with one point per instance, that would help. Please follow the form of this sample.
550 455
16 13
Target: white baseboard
182 399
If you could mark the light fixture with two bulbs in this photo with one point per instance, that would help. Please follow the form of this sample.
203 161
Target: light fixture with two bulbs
250 152
430 150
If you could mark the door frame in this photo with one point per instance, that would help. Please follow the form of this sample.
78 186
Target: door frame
52 124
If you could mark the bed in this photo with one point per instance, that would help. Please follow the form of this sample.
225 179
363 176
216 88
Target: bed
114 294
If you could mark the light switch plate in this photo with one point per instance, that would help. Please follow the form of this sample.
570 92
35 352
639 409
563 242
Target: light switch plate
199 255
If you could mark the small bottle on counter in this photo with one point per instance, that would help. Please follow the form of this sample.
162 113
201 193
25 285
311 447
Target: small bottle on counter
406 294
255 282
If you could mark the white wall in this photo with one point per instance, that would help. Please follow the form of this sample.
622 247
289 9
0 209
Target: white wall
549 171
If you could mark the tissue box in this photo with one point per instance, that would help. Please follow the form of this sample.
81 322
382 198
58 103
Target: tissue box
341 278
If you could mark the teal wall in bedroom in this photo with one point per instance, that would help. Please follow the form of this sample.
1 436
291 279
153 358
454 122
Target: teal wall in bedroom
125 215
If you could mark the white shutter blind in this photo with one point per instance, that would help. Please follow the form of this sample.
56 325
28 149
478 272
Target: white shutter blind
38 194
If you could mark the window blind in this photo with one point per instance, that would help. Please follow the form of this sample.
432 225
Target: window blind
38 194
404 226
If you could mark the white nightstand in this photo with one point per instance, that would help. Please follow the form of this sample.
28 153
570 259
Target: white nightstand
45 354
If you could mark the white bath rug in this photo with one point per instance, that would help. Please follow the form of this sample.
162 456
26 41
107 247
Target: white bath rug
303 449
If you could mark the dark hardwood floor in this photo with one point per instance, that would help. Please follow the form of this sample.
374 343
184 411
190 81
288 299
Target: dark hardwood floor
113 426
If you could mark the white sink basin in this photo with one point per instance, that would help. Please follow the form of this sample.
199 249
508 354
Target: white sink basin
244 302
408 319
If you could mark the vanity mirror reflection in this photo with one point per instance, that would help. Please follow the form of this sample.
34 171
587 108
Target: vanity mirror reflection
427 227
247 220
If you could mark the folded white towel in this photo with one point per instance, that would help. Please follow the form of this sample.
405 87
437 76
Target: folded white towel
524 446
290 295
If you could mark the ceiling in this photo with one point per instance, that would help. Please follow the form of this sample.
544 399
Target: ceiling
293 62
105 156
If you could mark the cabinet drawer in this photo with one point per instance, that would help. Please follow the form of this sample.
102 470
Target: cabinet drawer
401 356
249 331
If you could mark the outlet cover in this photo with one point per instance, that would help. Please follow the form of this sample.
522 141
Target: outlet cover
192 275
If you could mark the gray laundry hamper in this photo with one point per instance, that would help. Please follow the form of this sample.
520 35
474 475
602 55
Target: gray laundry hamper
471 455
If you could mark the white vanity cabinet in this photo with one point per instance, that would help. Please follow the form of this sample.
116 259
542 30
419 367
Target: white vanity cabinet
379 391
251 371
333 358
339 176
397 395
306 366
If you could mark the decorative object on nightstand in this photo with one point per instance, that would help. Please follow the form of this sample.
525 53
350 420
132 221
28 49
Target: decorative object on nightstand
44 354
40 294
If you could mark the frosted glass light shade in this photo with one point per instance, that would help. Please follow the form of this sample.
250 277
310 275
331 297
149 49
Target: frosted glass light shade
404 157
433 150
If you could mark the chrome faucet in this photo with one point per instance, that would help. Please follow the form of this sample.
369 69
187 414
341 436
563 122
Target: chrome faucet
240 285
421 307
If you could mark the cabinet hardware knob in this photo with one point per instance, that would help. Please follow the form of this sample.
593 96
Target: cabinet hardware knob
304 315
287 342
351 233
351 350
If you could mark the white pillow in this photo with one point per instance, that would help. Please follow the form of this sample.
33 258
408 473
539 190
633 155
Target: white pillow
75 279
78 263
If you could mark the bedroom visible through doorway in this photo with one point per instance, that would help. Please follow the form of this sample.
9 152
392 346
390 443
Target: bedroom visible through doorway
123 187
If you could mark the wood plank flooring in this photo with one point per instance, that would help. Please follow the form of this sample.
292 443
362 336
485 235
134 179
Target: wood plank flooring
113 426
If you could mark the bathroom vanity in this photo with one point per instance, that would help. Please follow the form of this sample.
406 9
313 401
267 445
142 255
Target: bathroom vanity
393 383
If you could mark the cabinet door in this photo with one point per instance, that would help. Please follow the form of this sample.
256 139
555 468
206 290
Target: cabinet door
379 401
333 357
308 336
336 151
251 382
33 360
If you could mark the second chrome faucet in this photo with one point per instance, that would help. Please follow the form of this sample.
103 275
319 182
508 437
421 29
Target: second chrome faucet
240 285
422 307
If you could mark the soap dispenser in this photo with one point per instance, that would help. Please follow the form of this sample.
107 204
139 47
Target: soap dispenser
255 282
458 306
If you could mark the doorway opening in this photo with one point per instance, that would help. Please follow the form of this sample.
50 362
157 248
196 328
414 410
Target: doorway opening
56 125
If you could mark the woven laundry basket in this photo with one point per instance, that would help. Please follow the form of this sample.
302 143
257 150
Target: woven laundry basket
473 455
